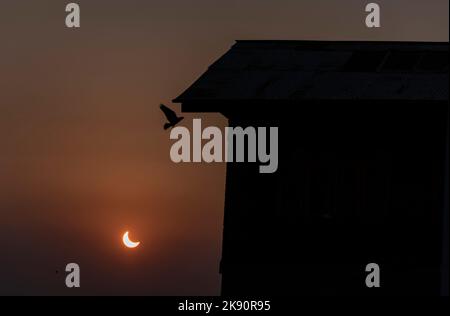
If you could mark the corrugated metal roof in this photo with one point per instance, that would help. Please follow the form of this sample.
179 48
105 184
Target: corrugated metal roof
287 70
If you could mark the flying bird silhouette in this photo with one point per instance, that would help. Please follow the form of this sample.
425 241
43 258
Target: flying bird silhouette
171 117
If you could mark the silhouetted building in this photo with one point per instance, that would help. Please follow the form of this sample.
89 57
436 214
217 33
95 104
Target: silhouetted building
363 169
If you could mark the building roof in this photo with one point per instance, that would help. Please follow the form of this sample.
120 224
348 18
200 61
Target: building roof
323 70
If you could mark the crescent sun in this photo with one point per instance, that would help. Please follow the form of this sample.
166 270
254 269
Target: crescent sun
129 243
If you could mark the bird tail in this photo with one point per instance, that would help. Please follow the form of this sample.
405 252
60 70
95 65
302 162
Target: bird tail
167 125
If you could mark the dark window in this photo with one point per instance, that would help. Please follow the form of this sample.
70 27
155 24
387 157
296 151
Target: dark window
401 61
364 61
433 62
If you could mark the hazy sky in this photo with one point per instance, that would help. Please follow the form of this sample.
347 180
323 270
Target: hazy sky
83 155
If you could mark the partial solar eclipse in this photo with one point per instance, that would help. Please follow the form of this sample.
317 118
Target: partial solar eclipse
129 243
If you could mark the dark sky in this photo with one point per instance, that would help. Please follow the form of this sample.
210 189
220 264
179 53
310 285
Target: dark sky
83 154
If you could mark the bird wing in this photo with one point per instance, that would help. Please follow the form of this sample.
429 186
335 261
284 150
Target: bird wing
171 115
